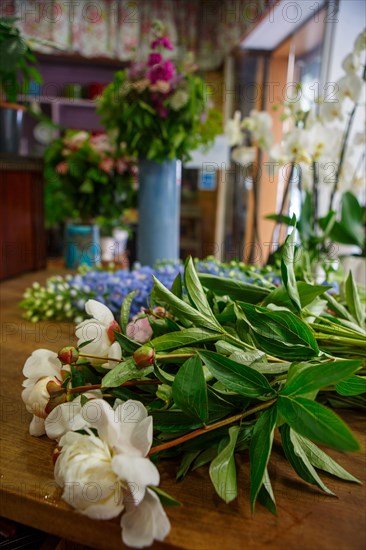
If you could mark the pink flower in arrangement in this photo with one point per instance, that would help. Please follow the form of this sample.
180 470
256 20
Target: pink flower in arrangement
121 166
136 70
154 59
101 144
164 71
107 165
164 42
62 168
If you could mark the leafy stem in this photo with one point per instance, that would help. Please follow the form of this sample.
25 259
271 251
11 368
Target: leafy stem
211 427
81 389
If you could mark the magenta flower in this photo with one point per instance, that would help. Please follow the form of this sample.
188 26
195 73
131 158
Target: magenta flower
154 59
162 41
164 71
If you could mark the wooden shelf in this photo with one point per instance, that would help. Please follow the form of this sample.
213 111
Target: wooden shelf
59 100
76 59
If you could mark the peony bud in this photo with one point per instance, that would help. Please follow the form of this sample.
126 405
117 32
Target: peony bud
68 355
112 328
139 330
45 395
144 356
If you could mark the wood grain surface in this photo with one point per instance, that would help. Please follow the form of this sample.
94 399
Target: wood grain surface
306 519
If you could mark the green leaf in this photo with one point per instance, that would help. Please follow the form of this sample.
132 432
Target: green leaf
177 287
314 377
181 309
237 290
355 385
317 423
296 455
338 308
322 461
126 343
353 300
223 471
266 496
126 309
185 337
164 498
288 271
280 333
236 377
260 450
307 294
186 463
195 292
123 372
190 391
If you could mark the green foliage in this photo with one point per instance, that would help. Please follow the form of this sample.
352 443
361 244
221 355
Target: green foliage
17 61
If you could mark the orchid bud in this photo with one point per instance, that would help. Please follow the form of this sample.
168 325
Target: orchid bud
68 355
112 329
45 395
144 356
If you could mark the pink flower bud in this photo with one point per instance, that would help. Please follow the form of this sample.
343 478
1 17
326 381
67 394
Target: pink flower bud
139 330
68 355
144 356
112 329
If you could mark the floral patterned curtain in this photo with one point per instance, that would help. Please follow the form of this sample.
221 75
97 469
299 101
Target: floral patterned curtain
122 28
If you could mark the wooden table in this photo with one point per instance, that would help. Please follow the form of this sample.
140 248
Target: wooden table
306 519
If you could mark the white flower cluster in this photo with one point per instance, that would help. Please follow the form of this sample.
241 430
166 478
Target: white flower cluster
104 470
315 136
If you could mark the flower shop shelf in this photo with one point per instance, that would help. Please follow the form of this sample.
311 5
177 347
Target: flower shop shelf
306 518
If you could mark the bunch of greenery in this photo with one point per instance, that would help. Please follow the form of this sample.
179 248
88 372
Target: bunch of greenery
230 362
86 177
159 110
17 61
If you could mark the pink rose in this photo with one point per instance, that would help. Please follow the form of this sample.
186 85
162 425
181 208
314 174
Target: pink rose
106 165
62 168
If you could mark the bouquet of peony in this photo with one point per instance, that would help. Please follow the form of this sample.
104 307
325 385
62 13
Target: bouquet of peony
212 368
158 108
87 176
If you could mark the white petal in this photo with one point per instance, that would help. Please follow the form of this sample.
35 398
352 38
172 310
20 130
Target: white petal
63 418
42 362
137 431
144 523
36 426
100 415
107 510
115 352
99 311
138 472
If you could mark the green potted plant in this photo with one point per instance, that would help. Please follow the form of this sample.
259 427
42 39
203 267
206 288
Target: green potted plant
90 178
17 69
160 110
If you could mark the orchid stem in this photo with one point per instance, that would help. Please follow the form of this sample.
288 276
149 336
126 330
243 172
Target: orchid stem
210 428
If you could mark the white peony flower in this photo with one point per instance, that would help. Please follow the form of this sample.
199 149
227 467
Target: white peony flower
360 42
351 63
100 329
42 367
350 86
233 130
102 476
243 155
69 416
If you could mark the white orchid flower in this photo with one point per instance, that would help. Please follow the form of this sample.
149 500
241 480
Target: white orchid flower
243 155
360 42
260 123
331 111
41 368
100 329
296 145
351 63
113 469
350 86
233 130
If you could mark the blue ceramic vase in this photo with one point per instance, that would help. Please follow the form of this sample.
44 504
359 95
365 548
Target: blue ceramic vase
82 245
159 211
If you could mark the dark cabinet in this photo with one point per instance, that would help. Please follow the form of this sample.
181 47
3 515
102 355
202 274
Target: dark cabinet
22 231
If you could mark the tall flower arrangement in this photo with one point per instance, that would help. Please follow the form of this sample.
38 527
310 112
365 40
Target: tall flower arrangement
159 108
87 176
317 152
